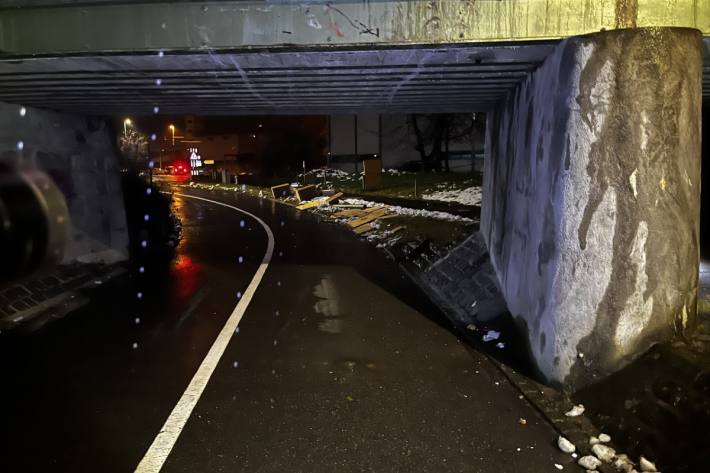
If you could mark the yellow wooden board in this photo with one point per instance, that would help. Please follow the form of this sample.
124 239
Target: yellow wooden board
350 213
369 218
363 229
310 204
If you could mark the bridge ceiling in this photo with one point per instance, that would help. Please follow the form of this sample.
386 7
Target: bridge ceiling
445 79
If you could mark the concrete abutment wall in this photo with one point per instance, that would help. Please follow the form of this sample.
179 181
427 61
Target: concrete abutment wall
591 199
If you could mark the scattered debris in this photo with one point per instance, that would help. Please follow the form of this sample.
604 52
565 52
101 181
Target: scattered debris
604 452
589 462
646 465
471 327
565 445
604 438
559 467
575 411
500 345
491 335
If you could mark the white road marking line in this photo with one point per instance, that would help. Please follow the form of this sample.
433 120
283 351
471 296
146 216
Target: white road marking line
159 450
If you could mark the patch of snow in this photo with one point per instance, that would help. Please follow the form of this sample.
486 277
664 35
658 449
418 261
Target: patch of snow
575 411
589 462
468 196
565 445
604 453
411 212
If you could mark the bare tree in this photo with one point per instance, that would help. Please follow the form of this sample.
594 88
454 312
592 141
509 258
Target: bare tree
435 132
133 146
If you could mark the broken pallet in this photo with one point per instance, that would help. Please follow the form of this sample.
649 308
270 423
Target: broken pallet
281 190
305 193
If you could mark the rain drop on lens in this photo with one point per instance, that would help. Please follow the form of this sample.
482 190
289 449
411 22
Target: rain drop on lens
158 82
235 364
20 145
239 295
135 345
141 270
146 217
23 111
137 320
237 330
156 109
149 191
144 244
153 137
241 223
139 295
241 259
161 54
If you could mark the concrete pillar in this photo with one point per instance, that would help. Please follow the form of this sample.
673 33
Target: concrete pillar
591 199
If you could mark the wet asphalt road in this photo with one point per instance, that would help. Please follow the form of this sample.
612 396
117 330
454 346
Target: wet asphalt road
339 364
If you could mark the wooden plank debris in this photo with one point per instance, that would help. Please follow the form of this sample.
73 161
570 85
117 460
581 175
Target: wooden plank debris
281 191
350 213
311 203
318 203
364 229
334 198
369 217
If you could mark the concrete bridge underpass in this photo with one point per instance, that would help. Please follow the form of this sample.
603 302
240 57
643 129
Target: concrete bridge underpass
592 174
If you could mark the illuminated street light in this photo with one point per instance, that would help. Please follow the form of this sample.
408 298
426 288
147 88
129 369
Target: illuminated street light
172 129
126 123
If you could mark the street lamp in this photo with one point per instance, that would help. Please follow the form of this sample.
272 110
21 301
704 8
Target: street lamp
126 123
172 129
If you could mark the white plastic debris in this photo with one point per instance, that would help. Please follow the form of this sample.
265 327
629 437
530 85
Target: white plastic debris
575 411
589 462
604 438
491 335
565 445
500 345
646 465
559 467
604 453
